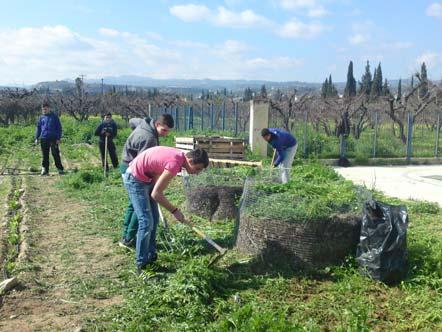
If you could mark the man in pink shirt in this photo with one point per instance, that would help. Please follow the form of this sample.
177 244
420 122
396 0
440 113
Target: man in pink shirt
146 179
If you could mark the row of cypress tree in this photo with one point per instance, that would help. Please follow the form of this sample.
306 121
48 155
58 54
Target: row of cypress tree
372 86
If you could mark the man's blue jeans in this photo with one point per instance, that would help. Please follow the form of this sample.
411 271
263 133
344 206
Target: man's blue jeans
146 210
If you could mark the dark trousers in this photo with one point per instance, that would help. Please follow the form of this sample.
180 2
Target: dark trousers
112 152
47 144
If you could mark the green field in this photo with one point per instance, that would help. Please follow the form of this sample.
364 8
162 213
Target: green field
239 293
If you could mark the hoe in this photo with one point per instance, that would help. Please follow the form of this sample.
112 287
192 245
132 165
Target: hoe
222 251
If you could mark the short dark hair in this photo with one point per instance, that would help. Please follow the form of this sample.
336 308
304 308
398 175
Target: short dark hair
199 156
45 104
265 132
108 114
166 120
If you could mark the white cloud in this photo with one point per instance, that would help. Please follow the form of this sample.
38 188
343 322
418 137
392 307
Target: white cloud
153 35
431 59
295 4
298 29
318 11
108 32
221 16
190 12
313 7
56 52
36 54
224 17
244 19
435 9
231 48
361 32
358 39
190 44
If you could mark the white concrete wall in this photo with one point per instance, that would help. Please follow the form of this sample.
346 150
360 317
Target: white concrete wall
259 118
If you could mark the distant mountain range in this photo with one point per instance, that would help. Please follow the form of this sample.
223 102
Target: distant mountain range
190 85
180 84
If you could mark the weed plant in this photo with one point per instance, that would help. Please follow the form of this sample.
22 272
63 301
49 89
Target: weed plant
226 177
314 192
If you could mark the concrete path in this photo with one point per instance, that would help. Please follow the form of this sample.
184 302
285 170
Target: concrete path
406 182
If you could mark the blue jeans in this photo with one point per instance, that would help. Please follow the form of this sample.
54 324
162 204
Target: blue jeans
146 210
286 163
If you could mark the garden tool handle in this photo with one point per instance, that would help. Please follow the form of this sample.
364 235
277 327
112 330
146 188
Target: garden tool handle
273 158
105 155
209 240
162 218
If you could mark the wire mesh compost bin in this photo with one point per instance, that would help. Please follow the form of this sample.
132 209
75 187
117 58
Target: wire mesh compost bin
214 194
272 227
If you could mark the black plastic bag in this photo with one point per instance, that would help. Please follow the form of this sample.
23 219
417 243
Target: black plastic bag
382 250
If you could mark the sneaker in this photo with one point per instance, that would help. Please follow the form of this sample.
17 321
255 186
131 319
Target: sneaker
61 172
127 244
140 269
153 257
153 269
44 171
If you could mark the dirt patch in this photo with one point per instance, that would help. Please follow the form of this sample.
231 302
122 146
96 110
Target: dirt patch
214 202
64 276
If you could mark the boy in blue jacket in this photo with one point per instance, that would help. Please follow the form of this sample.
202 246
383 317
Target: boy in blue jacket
285 145
49 132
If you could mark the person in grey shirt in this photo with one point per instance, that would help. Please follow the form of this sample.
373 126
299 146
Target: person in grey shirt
135 122
144 136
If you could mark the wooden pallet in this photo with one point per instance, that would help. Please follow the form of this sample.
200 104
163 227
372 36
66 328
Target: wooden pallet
217 147
227 163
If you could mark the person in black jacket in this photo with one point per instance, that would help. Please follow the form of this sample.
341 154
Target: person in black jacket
107 129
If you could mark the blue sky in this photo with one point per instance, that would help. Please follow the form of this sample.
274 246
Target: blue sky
281 40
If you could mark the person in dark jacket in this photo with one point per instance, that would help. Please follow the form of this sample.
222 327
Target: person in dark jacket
285 146
107 128
49 132
146 135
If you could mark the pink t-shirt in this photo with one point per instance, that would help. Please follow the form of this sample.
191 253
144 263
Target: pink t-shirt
152 162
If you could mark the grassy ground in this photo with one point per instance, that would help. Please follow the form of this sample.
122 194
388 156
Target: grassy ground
242 294
239 293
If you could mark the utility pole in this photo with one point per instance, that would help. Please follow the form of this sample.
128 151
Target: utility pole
82 85
102 87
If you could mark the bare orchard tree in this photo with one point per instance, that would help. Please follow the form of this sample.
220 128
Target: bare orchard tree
132 106
328 112
413 102
138 105
288 105
78 103
168 100
18 104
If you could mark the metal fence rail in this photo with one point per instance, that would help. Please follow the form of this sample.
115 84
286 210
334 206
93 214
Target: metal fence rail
379 137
